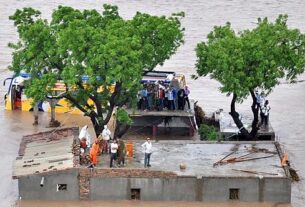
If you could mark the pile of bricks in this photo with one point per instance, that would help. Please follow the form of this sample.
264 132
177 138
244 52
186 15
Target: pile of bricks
141 173
84 184
76 152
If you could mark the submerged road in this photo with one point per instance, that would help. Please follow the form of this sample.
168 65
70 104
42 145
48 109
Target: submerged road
287 102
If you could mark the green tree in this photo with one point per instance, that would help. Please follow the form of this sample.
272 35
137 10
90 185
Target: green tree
112 52
252 59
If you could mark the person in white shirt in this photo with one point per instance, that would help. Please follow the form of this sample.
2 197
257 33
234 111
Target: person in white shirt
106 136
265 111
147 146
85 134
113 149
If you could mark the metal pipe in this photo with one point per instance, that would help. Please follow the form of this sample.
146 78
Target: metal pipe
42 182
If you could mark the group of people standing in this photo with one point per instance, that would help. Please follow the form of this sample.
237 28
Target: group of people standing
155 96
264 107
105 145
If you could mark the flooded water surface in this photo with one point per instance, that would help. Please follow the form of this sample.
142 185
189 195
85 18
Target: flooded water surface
287 101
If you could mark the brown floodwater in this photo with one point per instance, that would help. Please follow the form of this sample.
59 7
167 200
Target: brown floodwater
287 101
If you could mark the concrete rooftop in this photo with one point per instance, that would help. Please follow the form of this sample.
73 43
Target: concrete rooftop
228 127
200 157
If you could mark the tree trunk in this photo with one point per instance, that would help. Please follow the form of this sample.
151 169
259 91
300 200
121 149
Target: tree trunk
120 129
244 133
35 110
53 121
255 109
98 128
52 103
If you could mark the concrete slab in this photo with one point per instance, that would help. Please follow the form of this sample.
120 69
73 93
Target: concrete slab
199 159
229 129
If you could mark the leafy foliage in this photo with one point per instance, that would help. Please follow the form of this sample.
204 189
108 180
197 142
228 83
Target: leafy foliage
123 116
110 51
256 58
207 132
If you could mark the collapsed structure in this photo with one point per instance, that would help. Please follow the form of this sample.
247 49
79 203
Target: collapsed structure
48 168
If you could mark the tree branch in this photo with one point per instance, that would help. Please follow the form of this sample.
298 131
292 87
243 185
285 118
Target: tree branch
116 92
75 102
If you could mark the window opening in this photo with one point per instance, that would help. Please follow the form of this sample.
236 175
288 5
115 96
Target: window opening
135 194
62 187
234 194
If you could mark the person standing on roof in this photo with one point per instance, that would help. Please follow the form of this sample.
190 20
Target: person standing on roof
84 133
150 96
265 111
144 101
94 151
106 136
181 99
186 96
166 91
175 97
147 147
261 102
171 104
121 153
113 149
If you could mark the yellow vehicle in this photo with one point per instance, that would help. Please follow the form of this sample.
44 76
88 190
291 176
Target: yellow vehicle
15 98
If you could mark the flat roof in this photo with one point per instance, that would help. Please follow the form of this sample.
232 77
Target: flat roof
40 153
199 159
227 125
177 113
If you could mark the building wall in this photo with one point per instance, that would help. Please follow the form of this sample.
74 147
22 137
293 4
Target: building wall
206 189
151 189
108 188
218 188
276 190
30 189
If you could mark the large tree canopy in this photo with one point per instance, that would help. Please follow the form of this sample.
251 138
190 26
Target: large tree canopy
111 51
251 59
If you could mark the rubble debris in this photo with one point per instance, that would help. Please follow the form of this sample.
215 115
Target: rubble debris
284 160
255 172
182 166
219 161
256 150
238 159
85 160
294 175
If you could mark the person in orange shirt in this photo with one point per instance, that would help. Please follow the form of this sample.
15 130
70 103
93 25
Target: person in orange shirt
94 151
